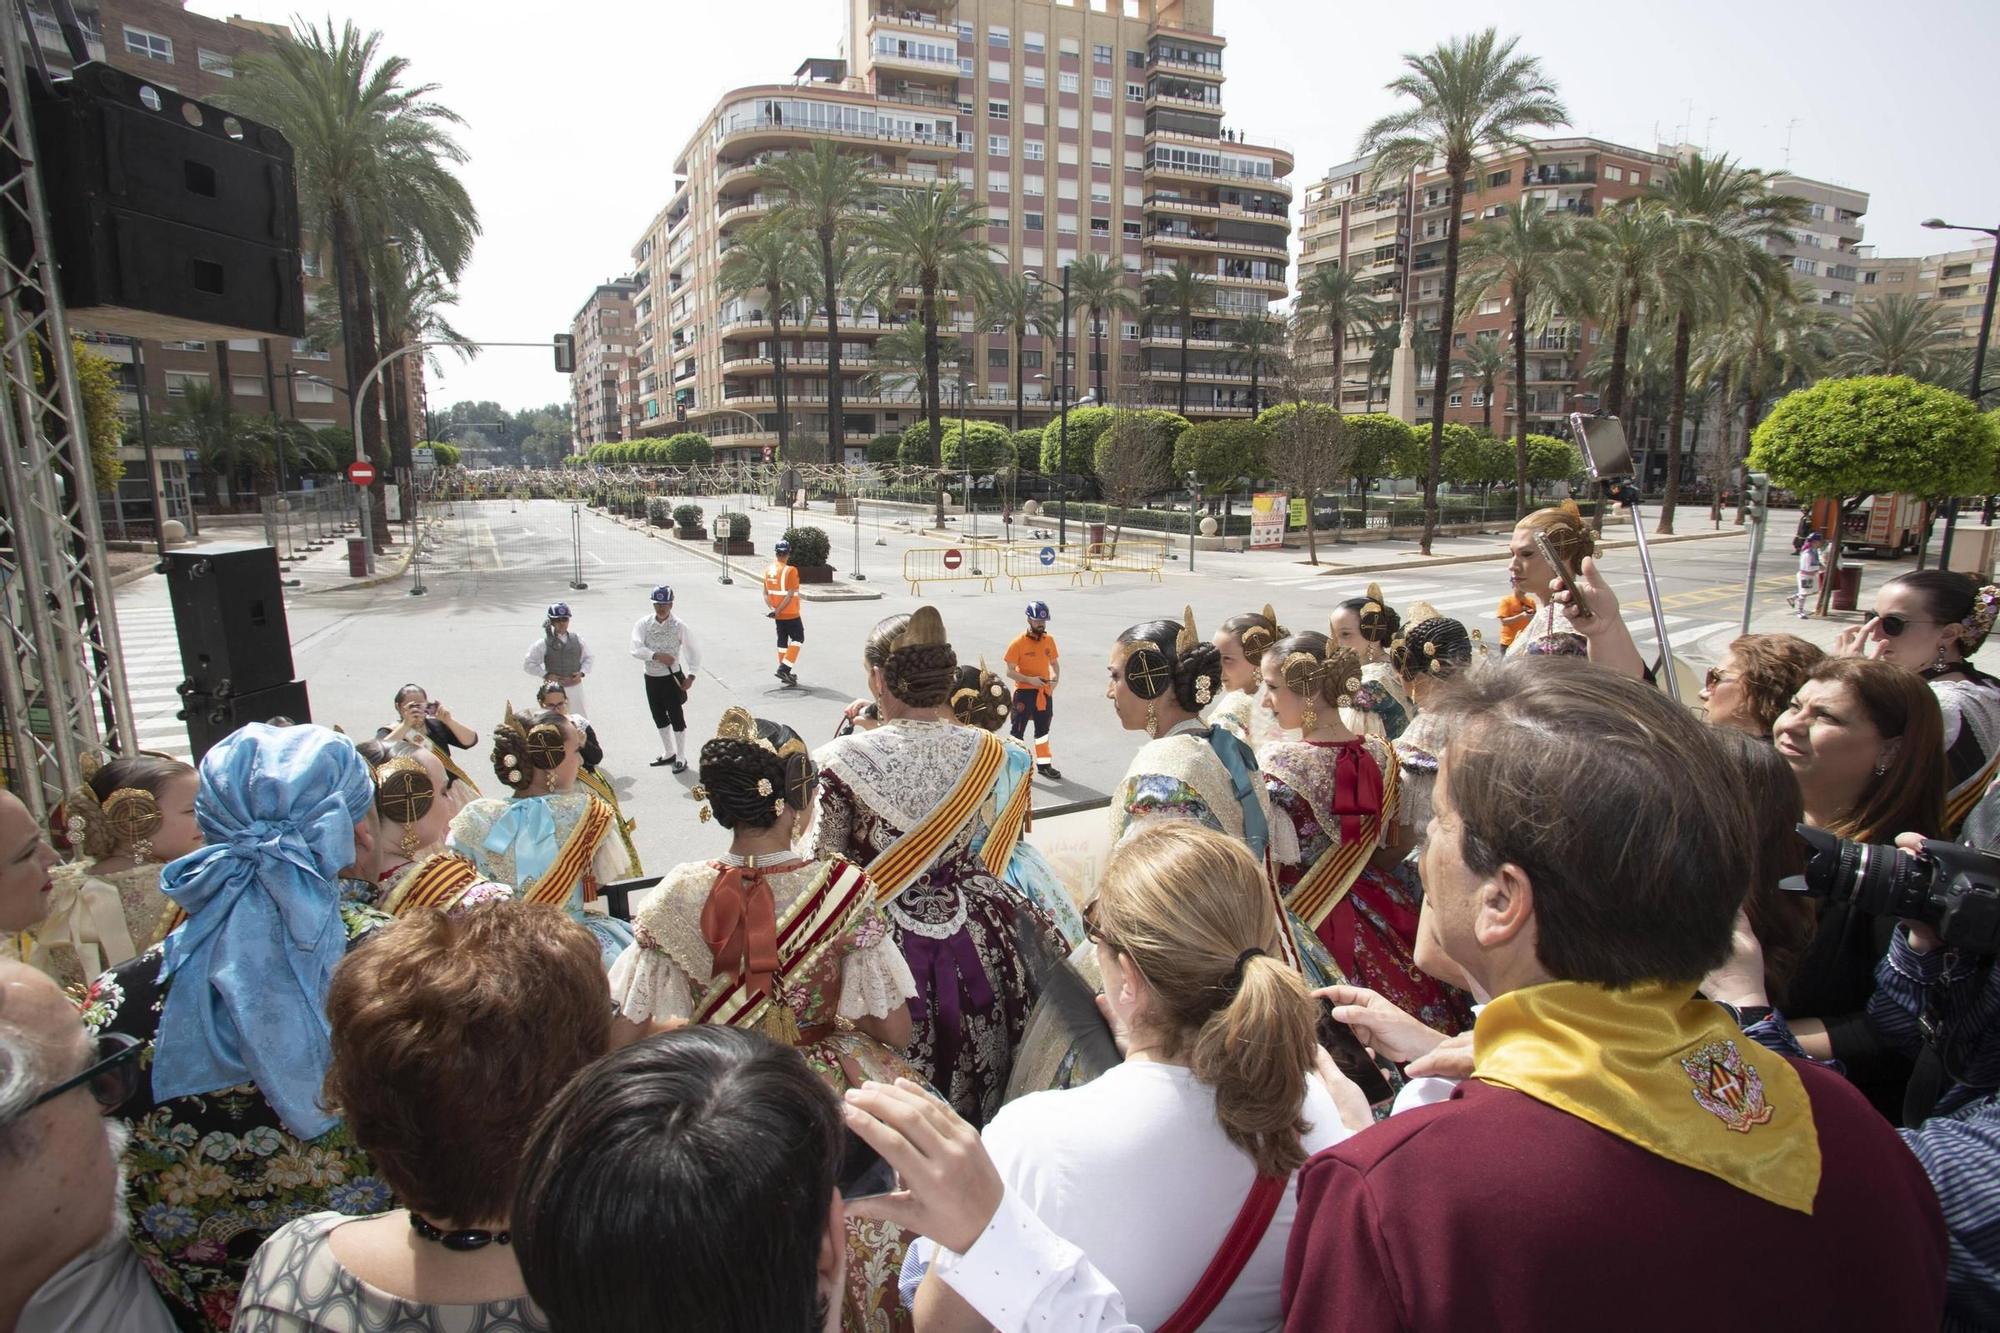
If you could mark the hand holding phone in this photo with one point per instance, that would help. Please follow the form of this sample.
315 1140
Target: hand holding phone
1350 1056
1577 610
431 709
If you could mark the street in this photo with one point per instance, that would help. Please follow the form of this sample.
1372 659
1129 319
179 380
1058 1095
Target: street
496 566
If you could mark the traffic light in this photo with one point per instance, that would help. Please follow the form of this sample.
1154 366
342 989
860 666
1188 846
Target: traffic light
565 354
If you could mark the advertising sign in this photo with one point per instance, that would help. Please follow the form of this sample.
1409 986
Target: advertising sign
1267 520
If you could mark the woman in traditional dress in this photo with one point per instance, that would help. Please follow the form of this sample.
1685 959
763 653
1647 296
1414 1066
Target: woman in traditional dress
409 796
555 698
1367 626
417 719
907 801
1548 633
981 699
128 819
1162 674
1430 652
1333 796
1241 643
553 845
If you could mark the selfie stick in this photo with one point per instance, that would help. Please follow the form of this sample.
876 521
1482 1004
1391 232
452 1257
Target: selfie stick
1625 491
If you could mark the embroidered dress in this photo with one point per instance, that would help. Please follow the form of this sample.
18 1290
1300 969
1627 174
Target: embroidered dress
1382 706
1545 636
1242 715
594 780
95 921
520 841
955 922
1971 710
210 1176
1027 869
1324 792
1178 776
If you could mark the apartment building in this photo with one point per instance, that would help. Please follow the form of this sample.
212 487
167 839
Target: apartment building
1083 130
1354 222
1824 249
1956 278
603 389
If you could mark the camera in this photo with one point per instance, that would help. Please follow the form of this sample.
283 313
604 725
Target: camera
1952 888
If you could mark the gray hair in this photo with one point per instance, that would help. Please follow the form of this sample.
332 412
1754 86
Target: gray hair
20 1081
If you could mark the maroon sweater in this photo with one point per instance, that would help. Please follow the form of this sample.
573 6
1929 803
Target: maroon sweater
1494 1211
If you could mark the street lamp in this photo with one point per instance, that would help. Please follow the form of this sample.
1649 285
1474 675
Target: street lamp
1979 357
1062 438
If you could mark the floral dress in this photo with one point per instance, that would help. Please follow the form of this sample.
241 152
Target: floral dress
1372 931
1545 636
1382 706
956 923
209 1177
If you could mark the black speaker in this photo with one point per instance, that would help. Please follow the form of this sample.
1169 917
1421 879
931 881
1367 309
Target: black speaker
172 218
211 717
229 611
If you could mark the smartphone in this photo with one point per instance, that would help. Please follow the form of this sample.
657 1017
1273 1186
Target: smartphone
1605 450
863 1173
1576 610
431 709
1351 1057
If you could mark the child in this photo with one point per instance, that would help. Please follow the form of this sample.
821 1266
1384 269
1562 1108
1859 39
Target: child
1812 560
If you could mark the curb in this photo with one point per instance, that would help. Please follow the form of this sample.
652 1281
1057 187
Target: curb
373 581
1439 561
818 592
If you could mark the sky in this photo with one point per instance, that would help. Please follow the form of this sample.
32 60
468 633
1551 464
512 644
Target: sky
575 112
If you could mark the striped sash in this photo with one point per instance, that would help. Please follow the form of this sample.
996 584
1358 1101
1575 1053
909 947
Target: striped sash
1006 832
912 854
451 767
436 881
1326 884
811 926
1966 795
552 889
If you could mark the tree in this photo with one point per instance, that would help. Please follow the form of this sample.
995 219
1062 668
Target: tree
1768 334
1381 361
1097 283
1483 363
931 239
1624 252
688 448
883 448
1028 450
1085 425
1309 447
1874 434
769 260
1331 299
1134 460
1383 447
102 419
1897 335
1551 460
825 192
1470 95
1017 304
1526 254
1474 458
1221 454
447 455
1259 341
226 443
1178 292
982 448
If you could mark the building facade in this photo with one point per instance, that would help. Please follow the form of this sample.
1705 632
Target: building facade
1084 132
1824 251
1352 221
1956 279
603 389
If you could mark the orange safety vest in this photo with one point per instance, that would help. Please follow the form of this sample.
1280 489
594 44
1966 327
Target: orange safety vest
781 591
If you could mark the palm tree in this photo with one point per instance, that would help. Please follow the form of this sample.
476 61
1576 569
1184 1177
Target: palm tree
1471 95
826 192
1897 335
932 239
1260 341
768 260
1484 362
1526 254
1728 213
1019 305
367 149
1620 270
1768 335
1647 371
225 442
410 307
1098 285
1178 292
1381 360
1330 299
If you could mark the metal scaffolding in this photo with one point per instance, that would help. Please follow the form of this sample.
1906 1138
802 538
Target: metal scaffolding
62 671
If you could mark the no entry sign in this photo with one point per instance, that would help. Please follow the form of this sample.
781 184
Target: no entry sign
953 559
361 474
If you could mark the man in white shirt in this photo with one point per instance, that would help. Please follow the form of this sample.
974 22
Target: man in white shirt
666 645
561 658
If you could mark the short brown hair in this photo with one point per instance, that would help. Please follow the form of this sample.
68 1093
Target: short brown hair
450 1034
1773 666
1618 805
1908 795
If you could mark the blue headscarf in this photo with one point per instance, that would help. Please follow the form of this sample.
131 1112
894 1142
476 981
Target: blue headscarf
251 965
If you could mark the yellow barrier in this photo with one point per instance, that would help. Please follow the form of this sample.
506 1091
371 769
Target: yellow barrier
1032 560
1128 555
965 562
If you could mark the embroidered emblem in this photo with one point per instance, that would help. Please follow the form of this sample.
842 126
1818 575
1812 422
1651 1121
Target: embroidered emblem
1727 1087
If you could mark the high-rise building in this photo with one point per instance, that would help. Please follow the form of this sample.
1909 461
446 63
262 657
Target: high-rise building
1084 131
1354 222
603 400
1823 249
1956 279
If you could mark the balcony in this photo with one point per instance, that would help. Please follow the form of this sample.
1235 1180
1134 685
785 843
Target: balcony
1163 338
1172 375
1557 176
1177 102
892 19
1200 69
1158 168
775 129
1174 240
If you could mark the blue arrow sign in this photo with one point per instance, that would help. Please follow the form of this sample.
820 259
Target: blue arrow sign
1048 555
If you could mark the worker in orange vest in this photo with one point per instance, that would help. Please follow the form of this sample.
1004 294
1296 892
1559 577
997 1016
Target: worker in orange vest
1032 666
781 594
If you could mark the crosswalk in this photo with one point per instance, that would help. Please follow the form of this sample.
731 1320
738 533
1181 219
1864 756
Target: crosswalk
152 671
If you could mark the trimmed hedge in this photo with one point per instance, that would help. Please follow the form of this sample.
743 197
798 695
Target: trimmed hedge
810 546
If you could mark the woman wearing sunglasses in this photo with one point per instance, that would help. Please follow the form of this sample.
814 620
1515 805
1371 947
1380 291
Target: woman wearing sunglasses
1931 621
1755 681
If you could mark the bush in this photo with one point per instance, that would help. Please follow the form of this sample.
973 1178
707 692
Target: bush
809 545
658 514
913 448
984 448
1385 447
687 517
1085 425
688 447
734 526
1221 454
1028 449
882 450
1874 433
1551 460
1473 458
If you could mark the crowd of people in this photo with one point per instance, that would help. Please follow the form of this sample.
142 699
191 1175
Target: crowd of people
1424 988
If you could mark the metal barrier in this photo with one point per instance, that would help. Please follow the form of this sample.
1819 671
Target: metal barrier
1032 560
967 561
1127 555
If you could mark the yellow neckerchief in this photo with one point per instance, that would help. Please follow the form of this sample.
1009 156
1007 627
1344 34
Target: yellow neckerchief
1660 1069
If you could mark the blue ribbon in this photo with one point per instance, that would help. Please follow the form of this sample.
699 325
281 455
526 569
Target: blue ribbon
529 827
251 966
1244 780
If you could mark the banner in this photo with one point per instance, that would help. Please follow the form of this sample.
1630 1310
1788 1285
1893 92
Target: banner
1298 518
1267 520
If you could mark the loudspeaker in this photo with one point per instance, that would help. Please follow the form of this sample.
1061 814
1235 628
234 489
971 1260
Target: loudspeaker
211 717
172 218
229 610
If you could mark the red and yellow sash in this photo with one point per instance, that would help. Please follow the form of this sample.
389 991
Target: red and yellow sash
1960 802
912 854
552 889
1326 884
436 881
810 926
1006 832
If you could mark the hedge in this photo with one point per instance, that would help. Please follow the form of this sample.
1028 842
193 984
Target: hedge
810 545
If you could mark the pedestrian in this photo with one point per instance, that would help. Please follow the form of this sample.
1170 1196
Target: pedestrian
665 644
781 594
559 657
1517 608
1812 560
1032 666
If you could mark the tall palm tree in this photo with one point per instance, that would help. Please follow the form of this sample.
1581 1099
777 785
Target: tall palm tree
1483 362
769 260
1469 95
1768 335
1897 335
226 442
1259 341
1525 253
1332 298
1097 283
367 148
1178 292
1019 305
410 307
932 239
1381 360
1728 213
1620 271
826 194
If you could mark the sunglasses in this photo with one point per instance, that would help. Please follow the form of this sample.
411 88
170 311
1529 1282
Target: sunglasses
1716 676
113 1076
1892 626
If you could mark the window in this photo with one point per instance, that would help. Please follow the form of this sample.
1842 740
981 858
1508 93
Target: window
1031 257
1131 231
1065 189
1035 114
1032 149
998 145
1499 178
999 36
1033 43
304 351
998 71
1490 306
965 67
1100 87
998 181
1100 193
1456 400
1069 46
215 62
179 381
1100 226
246 386
1067 117
151 45
1135 92
1066 154
1031 77
996 110
1135 60
1100 121
1100 157
1066 82
1065 225
996 358
246 344
308 391
1612 173
1031 222
1100 54
1031 185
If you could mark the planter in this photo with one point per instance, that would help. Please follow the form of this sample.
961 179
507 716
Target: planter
843 507
744 547
815 573
691 534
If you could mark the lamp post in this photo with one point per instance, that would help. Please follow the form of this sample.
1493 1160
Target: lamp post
1978 366
1062 437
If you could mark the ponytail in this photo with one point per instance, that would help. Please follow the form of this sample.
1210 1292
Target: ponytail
1249 1052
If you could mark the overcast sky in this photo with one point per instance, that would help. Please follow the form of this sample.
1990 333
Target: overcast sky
575 112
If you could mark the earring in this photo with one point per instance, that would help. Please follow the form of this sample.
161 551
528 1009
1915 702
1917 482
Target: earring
409 842
1309 721
1152 719
1943 648
1881 766
142 850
